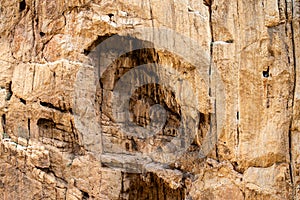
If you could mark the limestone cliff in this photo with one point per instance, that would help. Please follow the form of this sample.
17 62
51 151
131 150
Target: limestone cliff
185 99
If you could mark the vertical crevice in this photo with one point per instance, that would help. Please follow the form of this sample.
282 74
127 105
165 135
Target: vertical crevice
293 97
238 83
33 77
268 102
9 91
151 13
100 101
28 127
33 21
122 192
3 122
279 8
238 129
211 35
291 163
209 3
211 44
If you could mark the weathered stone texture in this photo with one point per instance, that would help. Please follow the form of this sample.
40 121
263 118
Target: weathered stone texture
59 138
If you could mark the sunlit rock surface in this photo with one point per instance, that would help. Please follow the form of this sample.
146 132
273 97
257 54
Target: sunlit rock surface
225 74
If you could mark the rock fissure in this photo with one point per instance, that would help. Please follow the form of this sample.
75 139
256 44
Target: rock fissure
291 168
50 147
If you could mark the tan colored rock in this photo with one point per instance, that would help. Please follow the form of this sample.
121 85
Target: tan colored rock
217 181
268 183
40 158
110 187
233 72
73 193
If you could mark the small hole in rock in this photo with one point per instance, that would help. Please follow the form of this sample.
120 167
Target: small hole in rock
110 15
86 52
22 5
42 34
23 101
230 41
85 195
235 166
127 146
266 73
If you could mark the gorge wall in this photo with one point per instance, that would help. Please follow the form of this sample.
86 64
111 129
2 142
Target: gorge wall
226 73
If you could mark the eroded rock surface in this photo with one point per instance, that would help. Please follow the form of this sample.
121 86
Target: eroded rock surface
232 69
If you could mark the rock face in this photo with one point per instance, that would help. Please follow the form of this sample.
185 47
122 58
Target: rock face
150 99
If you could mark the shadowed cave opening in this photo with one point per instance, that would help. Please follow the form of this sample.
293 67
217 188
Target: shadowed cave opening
148 186
122 48
55 134
149 95
141 100
118 143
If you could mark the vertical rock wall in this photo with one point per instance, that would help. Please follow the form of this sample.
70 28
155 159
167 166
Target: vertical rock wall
52 105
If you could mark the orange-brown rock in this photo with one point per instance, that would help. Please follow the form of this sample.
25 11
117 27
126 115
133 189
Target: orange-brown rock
149 99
